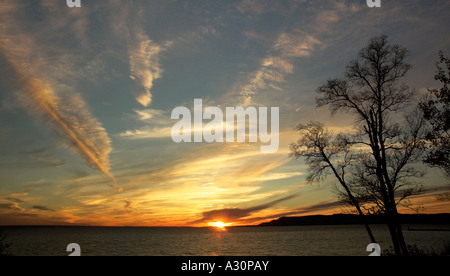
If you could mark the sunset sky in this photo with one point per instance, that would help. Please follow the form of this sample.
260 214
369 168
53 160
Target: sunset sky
86 96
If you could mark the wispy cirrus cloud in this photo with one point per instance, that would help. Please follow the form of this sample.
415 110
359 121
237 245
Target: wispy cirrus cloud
296 44
147 133
278 63
144 64
69 118
158 125
126 23
308 33
67 114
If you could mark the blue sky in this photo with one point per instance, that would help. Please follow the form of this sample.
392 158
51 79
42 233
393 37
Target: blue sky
109 74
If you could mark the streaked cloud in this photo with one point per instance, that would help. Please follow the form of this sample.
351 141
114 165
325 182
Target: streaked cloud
147 132
41 208
276 65
152 114
70 119
144 64
17 200
126 21
11 206
157 125
236 214
296 44
66 114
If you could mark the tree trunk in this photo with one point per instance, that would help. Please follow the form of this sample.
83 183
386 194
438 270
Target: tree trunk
395 227
352 198
394 234
361 214
399 231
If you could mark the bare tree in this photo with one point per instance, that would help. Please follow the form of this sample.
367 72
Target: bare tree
385 144
402 157
327 154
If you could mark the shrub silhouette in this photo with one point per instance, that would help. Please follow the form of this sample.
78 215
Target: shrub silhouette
4 245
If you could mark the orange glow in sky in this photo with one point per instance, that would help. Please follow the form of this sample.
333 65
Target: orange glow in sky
80 147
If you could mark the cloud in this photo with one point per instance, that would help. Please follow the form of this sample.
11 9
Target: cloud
156 190
41 208
11 206
128 204
276 64
152 114
235 214
144 64
41 150
17 200
267 76
70 119
26 59
159 125
296 44
252 6
126 23
45 161
318 207
147 132
32 165
258 7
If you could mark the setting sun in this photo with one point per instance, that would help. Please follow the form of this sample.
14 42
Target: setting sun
219 224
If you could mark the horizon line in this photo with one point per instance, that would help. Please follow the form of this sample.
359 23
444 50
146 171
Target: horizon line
205 226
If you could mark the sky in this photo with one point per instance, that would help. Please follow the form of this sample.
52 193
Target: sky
86 96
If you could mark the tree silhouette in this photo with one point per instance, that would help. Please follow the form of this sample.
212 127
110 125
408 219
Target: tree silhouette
326 155
436 109
377 157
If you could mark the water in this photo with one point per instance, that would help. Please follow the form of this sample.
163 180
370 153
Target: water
348 240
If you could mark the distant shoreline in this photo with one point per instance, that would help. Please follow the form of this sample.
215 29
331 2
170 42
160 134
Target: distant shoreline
349 219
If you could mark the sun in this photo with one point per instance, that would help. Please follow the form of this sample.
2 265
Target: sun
219 224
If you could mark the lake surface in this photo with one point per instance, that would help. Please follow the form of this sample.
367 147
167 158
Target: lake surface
347 240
